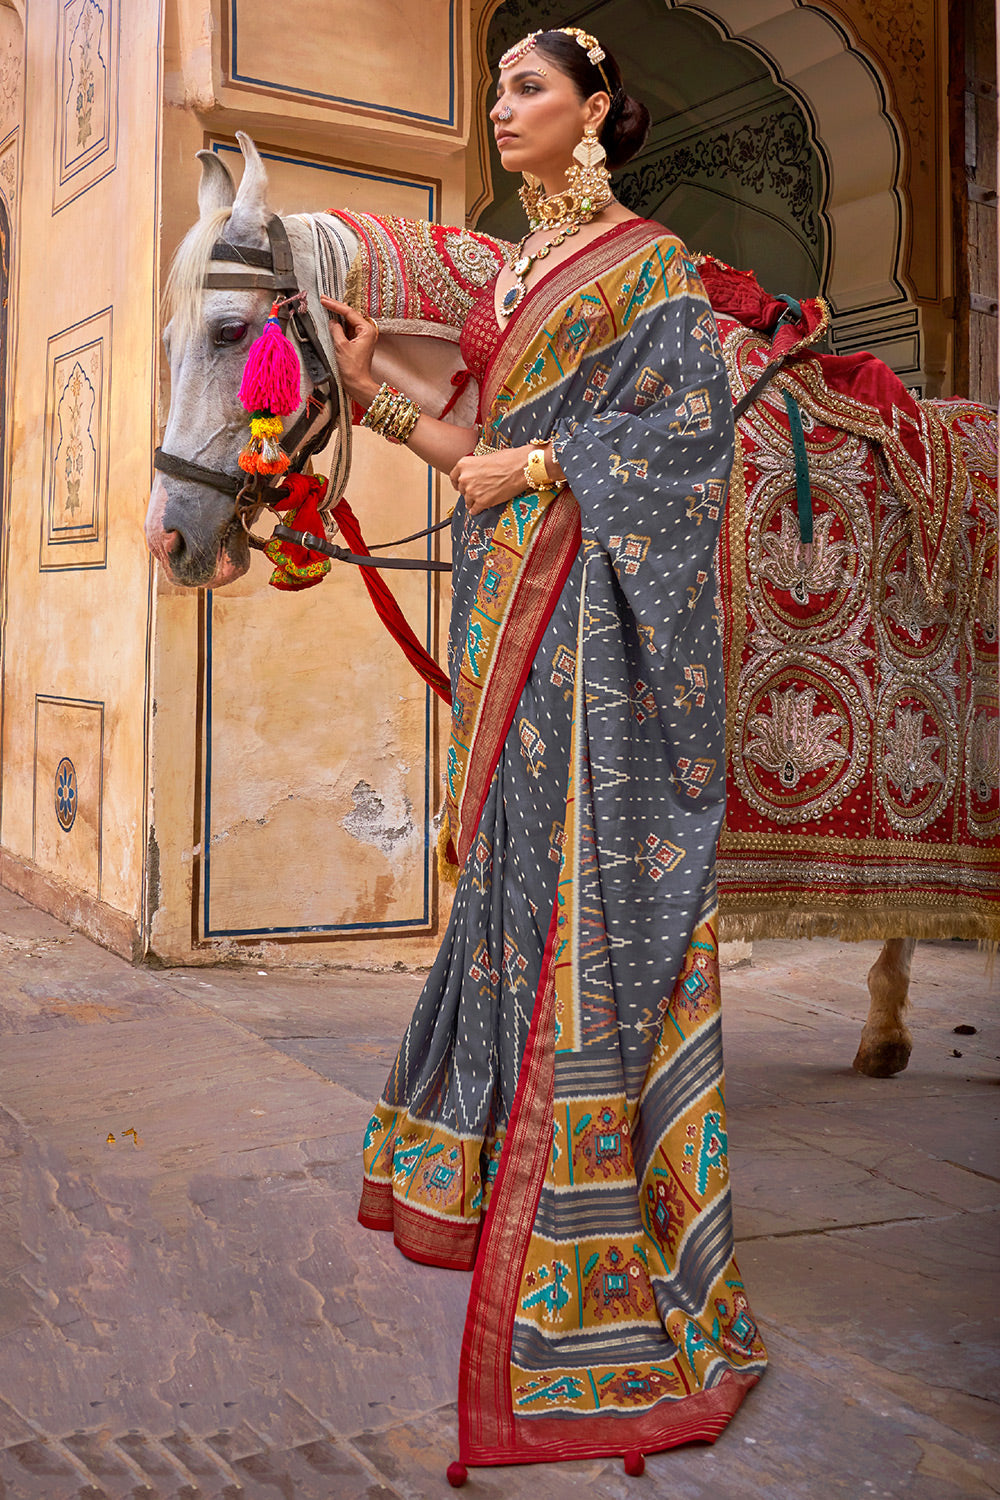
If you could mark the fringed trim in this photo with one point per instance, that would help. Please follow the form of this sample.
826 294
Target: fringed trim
354 286
855 926
447 863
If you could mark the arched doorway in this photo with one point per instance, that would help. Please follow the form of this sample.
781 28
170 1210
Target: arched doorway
773 146
730 164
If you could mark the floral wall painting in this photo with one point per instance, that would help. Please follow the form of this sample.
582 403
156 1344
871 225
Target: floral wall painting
74 519
74 468
87 96
11 73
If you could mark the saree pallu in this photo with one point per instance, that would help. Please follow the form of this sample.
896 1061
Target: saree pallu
556 1114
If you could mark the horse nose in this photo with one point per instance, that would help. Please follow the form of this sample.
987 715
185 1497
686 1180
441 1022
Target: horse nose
163 543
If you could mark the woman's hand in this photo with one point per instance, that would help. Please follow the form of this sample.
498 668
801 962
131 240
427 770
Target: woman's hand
354 349
489 479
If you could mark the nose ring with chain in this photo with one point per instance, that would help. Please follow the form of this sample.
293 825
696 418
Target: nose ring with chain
505 114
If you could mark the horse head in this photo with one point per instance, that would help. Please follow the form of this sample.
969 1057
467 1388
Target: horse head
192 524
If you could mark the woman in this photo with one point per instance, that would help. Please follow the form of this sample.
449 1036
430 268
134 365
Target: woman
563 1067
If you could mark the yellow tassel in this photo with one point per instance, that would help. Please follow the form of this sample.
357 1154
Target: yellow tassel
263 454
266 427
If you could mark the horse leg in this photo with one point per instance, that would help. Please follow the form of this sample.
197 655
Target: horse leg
886 1041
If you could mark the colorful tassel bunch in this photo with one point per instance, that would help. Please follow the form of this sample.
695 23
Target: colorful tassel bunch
270 389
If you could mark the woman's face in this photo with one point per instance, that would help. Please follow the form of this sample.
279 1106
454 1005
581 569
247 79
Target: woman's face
547 118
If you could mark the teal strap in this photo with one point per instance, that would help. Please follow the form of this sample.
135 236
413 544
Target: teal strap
802 494
791 306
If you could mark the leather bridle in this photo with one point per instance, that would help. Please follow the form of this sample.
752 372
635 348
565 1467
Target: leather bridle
273 270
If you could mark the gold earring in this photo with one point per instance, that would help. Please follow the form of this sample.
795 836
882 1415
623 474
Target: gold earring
588 180
589 152
531 196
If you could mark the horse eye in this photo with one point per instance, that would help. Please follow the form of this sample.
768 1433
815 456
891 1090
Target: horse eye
230 333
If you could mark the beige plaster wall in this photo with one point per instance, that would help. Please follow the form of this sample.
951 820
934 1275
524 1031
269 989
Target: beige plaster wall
204 775
295 765
76 577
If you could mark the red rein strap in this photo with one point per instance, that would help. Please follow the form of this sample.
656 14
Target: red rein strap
297 567
388 610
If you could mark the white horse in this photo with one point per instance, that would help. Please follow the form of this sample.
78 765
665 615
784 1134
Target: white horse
192 528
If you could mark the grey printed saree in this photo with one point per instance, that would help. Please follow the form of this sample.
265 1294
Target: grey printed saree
556 1116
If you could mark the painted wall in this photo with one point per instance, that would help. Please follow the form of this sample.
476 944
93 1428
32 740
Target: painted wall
188 773
295 764
81 192
253 773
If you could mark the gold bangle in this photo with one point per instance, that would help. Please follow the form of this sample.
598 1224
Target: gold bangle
391 414
535 473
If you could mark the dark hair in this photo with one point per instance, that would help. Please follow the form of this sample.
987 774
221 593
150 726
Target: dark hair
627 123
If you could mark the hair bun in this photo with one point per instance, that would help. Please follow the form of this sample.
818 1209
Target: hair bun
625 131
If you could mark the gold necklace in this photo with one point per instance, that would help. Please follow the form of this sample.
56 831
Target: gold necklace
523 262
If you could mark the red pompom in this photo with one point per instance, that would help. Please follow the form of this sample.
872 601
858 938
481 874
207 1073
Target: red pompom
457 1475
272 377
635 1464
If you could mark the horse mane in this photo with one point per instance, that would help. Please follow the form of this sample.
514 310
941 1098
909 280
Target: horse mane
185 281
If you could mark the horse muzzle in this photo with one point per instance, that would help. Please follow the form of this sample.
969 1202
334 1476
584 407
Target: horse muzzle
196 548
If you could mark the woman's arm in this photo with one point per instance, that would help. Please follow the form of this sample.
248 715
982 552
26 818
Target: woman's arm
494 478
485 480
440 444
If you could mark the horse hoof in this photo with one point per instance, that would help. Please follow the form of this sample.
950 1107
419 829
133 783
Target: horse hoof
883 1058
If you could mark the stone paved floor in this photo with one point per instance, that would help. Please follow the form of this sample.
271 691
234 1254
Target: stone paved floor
192 1311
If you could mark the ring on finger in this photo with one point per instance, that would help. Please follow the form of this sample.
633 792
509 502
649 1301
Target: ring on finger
374 324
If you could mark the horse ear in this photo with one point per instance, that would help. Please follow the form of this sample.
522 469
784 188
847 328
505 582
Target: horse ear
250 206
216 189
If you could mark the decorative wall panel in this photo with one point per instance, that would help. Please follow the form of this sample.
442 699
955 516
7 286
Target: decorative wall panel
75 484
69 790
11 71
86 134
8 172
379 56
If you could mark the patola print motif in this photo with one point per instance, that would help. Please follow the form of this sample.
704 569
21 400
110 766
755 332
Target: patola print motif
544 657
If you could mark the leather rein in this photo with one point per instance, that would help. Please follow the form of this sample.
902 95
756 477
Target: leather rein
273 270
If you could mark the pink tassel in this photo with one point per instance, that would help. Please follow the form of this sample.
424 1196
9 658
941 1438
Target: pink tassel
272 379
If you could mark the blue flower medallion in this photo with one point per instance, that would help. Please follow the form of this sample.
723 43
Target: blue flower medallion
66 797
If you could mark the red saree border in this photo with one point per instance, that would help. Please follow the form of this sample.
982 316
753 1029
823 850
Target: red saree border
699 1418
484 1398
430 1241
563 281
539 584
488 1431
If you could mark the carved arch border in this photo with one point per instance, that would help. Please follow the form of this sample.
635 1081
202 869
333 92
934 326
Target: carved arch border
840 87
811 53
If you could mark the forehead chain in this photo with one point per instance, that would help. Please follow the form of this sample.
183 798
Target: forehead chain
590 45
